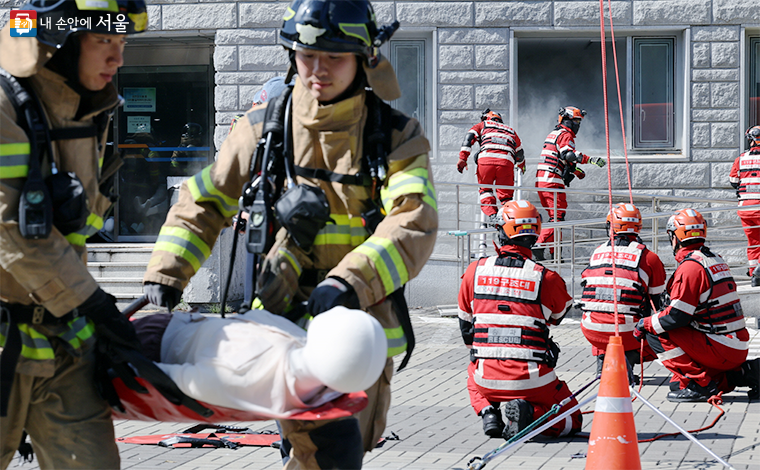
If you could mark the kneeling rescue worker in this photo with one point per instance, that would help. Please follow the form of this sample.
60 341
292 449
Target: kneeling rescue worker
333 47
55 108
700 336
506 304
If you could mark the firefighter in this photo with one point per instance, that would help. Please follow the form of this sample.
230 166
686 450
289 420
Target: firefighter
500 150
330 45
745 178
52 310
638 282
506 304
558 167
700 335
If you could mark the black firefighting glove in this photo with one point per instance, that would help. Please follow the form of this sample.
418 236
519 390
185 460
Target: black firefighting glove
330 293
110 325
162 295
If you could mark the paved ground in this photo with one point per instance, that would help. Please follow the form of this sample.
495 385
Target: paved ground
437 428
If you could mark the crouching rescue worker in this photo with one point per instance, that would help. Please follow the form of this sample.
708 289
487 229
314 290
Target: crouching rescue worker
700 336
558 167
368 163
638 283
506 304
55 108
500 150
745 179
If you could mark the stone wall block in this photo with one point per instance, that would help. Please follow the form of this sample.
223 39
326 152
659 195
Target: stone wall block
245 78
715 115
385 12
455 97
226 98
678 175
715 33
700 95
261 14
439 14
199 16
262 58
715 75
724 54
491 96
700 54
735 12
700 134
225 58
450 136
456 57
724 95
473 77
537 13
154 18
586 13
714 155
473 36
671 12
724 134
245 36
492 57
464 117
719 173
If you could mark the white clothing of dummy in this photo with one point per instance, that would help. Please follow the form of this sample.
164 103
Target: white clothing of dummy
263 363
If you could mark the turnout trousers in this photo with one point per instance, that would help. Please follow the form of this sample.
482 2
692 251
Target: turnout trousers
502 174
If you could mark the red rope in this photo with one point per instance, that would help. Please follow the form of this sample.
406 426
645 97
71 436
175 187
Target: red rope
714 400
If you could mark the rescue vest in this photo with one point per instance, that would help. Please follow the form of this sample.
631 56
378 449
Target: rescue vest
721 311
508 317
749 174
599 291
497 141
551 167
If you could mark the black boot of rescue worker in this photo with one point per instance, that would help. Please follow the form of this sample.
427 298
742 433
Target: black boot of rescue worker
747 376
693 393
518 414
492 422
755 277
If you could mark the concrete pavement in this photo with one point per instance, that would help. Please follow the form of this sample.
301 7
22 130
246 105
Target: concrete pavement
437 428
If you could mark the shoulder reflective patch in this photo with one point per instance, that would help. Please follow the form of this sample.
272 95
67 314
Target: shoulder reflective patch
256 116
14 160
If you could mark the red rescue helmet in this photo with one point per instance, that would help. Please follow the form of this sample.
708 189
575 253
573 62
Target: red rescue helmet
491 116
519 219
753 135
625 218
570 112
687 224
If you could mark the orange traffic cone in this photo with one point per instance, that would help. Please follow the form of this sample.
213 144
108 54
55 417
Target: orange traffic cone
613 444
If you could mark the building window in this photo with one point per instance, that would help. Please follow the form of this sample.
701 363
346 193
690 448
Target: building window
566 71
410 60
653 93
754 82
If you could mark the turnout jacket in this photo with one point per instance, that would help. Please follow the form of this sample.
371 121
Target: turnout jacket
558 143
745 177
639 277
499 144
49 272
325 137
703 296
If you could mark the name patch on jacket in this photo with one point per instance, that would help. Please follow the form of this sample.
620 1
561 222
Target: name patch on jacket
492 280
719 271
504 335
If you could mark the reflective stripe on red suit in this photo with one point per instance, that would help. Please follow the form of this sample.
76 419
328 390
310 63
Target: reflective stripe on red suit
639 274
745 173
703 297
511 300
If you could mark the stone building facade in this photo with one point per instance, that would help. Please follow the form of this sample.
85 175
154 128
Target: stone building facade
692 64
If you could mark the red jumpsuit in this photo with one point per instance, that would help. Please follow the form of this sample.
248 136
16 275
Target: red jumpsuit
500 149
549 175
701 334
639 276
506 303
745 177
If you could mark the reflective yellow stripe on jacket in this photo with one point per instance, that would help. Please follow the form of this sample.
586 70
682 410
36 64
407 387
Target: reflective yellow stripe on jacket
36 347
396 341
93 224
14 160
203 190
183 243
416 180
345 231
387 260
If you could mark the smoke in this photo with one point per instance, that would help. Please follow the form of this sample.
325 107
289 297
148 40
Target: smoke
552 73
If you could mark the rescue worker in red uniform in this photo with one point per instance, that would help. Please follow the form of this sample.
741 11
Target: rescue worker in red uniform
506 304
745 178
700 336
558 167
500 150
639 279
